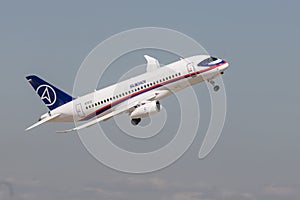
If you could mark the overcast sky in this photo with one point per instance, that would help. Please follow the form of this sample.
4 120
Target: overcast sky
257 156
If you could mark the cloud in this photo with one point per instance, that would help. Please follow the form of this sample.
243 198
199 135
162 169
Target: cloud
140 187
153 182
232 194
187 196
104 193
279 190
167 189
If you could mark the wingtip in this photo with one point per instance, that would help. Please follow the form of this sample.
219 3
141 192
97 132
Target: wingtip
29 128
64 131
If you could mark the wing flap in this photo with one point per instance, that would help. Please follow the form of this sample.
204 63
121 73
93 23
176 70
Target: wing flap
92 122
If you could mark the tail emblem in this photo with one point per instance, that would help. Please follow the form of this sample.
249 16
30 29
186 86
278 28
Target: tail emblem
47 94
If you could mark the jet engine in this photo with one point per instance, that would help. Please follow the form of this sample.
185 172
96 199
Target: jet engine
145 110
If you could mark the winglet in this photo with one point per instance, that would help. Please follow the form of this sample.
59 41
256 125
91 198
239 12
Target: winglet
152 63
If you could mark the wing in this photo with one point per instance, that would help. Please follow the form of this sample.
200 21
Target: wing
152 63
118 110
92 122
43 121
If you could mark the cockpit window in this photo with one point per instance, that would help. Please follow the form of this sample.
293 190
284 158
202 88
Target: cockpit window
207 61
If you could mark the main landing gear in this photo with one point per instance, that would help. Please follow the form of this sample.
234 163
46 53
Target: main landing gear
216 87
136 121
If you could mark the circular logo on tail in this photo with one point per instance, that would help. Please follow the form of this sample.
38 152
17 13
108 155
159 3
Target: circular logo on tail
47 94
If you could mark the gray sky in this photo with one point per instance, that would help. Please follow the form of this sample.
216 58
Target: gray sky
257 156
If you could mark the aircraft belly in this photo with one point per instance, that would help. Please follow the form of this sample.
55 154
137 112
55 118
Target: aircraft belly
63 118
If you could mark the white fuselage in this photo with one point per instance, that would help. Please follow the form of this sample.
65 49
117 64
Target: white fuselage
164 80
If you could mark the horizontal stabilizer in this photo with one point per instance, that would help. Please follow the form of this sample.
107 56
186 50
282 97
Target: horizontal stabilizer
42 121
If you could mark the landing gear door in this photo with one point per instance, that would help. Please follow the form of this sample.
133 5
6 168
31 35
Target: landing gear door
190 67
79 110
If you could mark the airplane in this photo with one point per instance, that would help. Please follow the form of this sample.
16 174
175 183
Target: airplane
138 96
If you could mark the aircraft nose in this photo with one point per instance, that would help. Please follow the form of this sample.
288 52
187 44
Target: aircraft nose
223 67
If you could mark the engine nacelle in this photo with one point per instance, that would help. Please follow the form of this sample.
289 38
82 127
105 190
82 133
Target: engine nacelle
146 110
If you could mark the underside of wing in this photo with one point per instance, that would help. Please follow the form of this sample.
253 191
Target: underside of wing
94 121
118 110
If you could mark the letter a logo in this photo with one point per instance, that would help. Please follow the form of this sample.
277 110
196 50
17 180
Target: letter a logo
47 94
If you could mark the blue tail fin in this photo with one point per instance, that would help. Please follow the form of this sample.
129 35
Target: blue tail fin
51 96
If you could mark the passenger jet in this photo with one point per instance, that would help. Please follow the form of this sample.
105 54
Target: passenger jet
138 96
